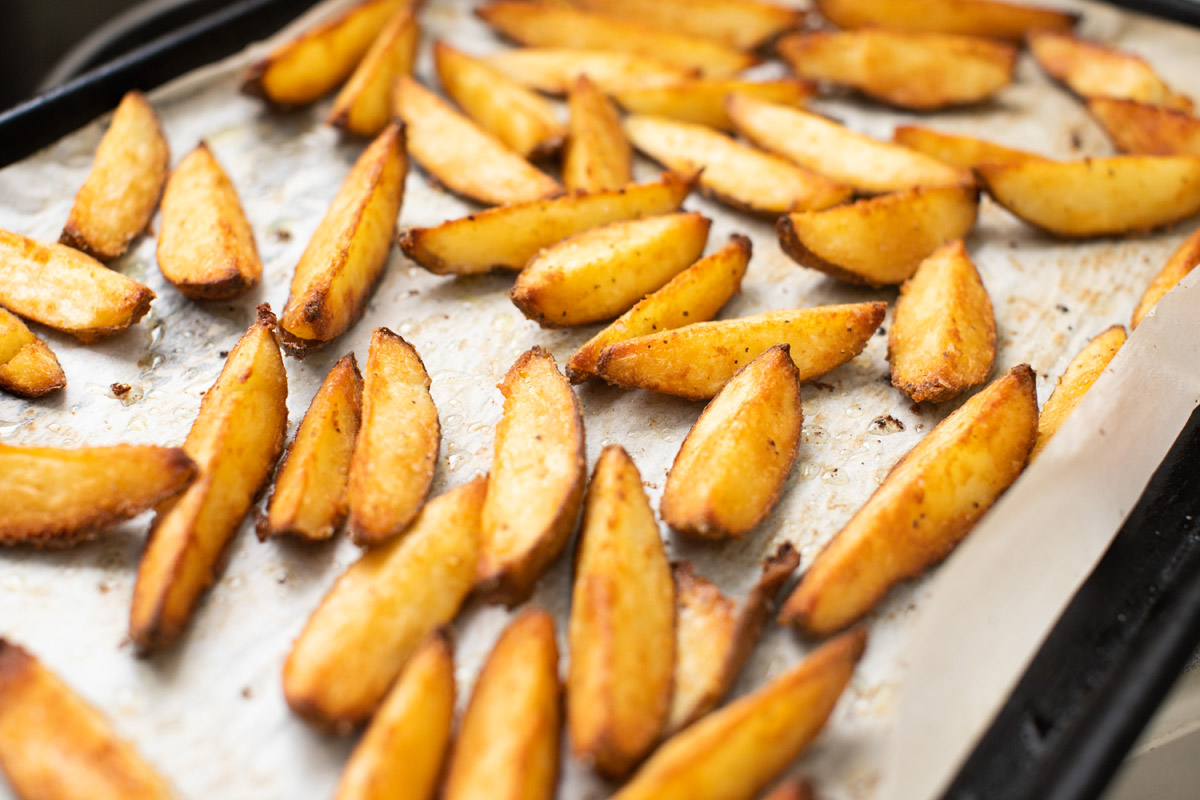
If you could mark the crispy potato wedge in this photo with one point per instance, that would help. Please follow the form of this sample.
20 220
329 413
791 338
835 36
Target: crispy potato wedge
1185 258
53 744
736 751
349 250
922 71
601 273
27 366
695 361
509 236
714 637
547 24
881 240
733 463
731 172
396 450
964 152
943 335
694 295
462 156
1081 199
621 633
792 789
507 746
121 192
235 440
1075 382
702 100
554 70
988 18
400 756
1146 129
744 24
364 104
835 151
597 156
927 504
310 498
381 609
538 473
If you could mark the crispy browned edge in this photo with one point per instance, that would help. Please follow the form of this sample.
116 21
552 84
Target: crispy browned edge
795 788
13 387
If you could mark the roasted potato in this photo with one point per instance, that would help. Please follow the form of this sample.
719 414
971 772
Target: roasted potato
988 18
880 240
744 24
1182 261
234 441
695 361
121 192
702 100
1145 129
364 104
381 609
1075 382
621 632
27 366
736 751
792 789
964 152
601 273
55 746
929 501
396 450
554 70
538 474
349 249
597 156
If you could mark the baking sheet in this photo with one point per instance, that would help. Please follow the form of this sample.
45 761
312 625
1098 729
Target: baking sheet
210 714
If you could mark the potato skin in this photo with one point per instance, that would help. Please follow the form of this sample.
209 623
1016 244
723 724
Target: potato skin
988 18
701 101
744 24
364 104
552 70
1185 259
1083 371
597 155
964 152
1146 129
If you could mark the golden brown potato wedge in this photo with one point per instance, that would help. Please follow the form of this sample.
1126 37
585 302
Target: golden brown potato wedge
396 450
621 633
694 295
364 104
744 24
929 501
695 361
964 152
702 100
507 746
553 70
1080 199
736 751
509 236
1075 382
734 173
597 156
349 249
53 744
833 150
943 335
1182 261
381 609
988 18
732 465
309 499
792 789
235 440
538 474
462 156
601 273
400 756
121 192
27 366
205 244
880 240
546 24
1146 129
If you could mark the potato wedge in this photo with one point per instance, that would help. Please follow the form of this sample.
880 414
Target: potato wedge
235 440
400 756
1081 199
988 18
694 295
702 100
964 152
621 633
396 450
601 273
507 746
364 104
349 250
462 156
792 789
121 192
509 236
837 152
538 474
55 497
881 240
695 361
53 744
744 24
736 751
547 24
922 71
733 463
597 156
1075 382
1185 258
553 70
205 244
927 504
27 366
731 172
714 637
943 335
1145 129
309 500
381 609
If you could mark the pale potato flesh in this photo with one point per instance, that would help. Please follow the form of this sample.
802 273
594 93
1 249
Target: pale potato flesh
1146 129
702 100
1185 258
598 156
364 104
621 631
926 505
554 70
744 24
988 18
964 152
27 365
1081 373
